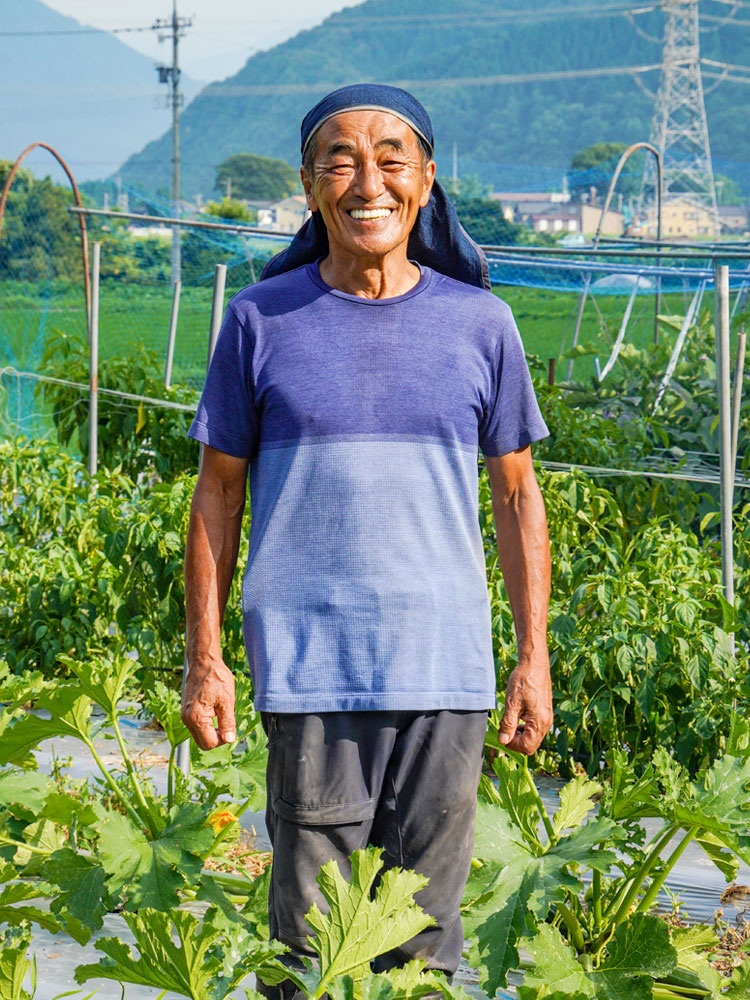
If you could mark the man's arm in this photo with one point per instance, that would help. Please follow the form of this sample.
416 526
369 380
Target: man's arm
523 552
213 541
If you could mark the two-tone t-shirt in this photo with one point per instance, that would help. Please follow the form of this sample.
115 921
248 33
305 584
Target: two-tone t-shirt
365 586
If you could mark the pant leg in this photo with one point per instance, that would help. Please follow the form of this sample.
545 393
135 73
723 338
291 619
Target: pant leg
324 776
425 821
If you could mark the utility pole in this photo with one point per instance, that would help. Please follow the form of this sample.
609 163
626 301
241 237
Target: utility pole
679 129
173 27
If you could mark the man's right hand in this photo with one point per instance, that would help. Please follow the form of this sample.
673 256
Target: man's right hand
209 692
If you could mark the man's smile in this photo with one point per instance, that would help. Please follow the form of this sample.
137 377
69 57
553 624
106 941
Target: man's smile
369 213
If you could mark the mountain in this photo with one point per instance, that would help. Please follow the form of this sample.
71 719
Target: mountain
88 95
445 51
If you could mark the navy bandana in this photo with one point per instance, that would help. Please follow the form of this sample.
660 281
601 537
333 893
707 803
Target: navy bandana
437 240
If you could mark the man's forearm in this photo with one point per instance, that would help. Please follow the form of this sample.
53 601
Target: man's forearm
213 542
523 553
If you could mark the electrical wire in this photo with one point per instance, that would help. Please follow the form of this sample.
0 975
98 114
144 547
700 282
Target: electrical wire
270 89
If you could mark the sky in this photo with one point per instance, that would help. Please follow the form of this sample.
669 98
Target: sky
223 35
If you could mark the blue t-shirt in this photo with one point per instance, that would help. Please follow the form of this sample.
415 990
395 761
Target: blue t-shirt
366 586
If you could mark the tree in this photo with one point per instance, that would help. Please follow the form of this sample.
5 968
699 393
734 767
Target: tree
594 167
483 220
728 191
256 177
230 208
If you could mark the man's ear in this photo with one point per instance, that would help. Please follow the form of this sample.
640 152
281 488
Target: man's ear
429 180
307 185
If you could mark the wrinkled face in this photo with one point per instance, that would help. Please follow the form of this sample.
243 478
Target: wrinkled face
369 180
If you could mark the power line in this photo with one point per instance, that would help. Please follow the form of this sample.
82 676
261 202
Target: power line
263 90
74 31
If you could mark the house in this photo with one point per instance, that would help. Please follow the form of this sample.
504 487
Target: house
284 216
684 217
735 219
513 200
545 216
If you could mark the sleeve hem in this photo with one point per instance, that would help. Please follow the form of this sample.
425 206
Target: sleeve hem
220 440
503 446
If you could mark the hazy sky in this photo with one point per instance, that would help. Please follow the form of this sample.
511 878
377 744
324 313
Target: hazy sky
224 32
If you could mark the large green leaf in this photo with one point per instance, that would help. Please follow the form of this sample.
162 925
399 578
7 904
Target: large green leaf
360 924
103 680
517 798
576 802
164 704
410 982
81 884
639 952
14 965
151 872
69 712
193 968
43 835
691 943
496 837
517 884
20 786
15 893
555 972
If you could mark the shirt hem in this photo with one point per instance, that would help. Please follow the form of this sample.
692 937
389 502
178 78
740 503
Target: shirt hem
220 440
392 701
534 432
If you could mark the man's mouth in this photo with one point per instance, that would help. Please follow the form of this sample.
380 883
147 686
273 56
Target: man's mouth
370 213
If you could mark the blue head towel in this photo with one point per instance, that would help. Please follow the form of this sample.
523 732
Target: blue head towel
437 240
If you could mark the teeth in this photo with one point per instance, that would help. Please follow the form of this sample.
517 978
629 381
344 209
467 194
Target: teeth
370 213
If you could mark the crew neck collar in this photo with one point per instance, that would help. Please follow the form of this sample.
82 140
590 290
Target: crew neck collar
424 279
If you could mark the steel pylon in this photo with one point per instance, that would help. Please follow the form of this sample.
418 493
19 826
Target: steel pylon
679 129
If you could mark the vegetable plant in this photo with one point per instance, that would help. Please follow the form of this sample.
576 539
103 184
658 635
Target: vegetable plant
577 889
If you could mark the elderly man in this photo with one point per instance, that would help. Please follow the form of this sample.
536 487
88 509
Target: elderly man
357 383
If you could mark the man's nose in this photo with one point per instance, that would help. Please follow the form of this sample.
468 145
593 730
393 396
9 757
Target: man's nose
369 180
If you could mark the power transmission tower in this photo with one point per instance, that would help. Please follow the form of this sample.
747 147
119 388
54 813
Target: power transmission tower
173 28
679 129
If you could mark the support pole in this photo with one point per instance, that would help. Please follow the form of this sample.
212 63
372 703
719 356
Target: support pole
172 334
721 284
597 235
739 375
94 360
217 311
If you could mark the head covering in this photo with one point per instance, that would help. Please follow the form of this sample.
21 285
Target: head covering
437 240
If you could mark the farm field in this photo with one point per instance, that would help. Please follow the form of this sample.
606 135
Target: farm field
139 314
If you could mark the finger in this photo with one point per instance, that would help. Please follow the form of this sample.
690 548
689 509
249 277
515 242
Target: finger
508 724
227 725
527 739
204 733
199 722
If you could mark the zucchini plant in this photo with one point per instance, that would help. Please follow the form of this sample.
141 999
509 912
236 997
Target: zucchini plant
577 890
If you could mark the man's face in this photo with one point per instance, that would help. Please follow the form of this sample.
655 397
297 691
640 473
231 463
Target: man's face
368 181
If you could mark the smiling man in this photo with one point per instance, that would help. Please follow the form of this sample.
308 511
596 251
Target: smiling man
357 383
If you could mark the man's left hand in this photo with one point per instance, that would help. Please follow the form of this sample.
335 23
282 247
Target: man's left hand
528 707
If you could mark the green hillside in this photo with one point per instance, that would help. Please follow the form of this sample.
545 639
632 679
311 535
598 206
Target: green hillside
427 46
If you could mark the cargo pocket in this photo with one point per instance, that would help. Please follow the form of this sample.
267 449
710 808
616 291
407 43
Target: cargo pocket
315 774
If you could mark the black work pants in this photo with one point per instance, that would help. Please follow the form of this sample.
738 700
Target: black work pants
403 781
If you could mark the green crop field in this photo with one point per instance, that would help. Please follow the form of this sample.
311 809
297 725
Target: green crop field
135 314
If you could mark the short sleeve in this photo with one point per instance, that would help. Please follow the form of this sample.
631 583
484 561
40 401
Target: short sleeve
511 418
226 418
